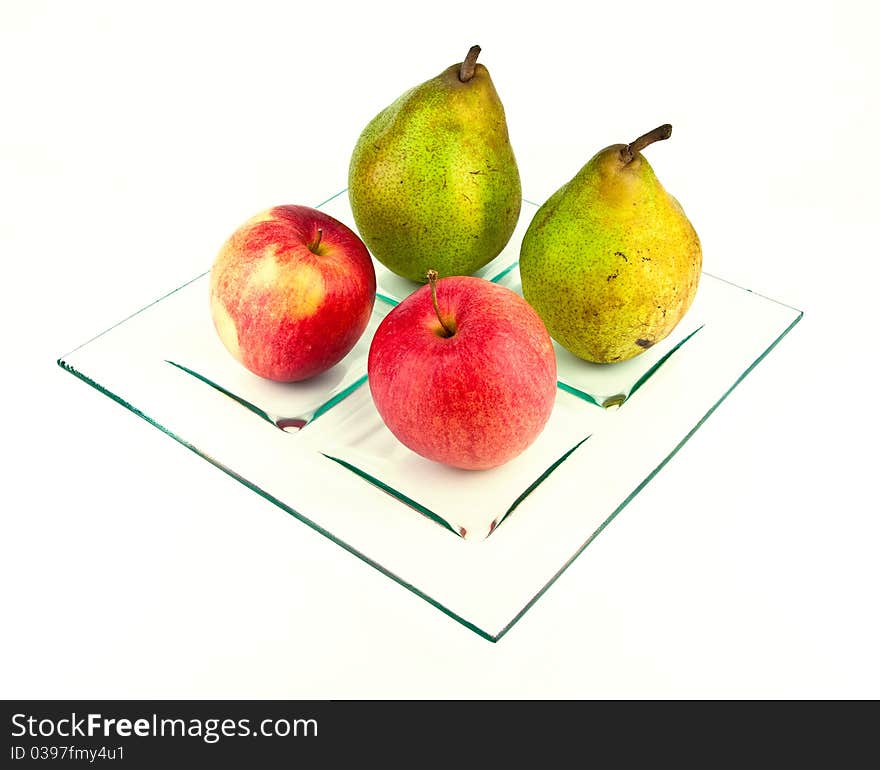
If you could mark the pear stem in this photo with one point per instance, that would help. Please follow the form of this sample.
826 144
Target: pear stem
313 246
634 148
469 65
432 279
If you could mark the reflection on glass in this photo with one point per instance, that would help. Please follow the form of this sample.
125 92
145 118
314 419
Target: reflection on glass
344 475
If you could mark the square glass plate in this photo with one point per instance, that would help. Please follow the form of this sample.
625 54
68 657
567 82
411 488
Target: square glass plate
319 451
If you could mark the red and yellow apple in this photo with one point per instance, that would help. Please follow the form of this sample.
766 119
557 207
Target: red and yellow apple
463 372
292 291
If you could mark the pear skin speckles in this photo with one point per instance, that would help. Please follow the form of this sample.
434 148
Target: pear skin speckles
610 261
433 182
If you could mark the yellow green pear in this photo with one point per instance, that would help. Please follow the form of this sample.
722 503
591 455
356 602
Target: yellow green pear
433 182
610 262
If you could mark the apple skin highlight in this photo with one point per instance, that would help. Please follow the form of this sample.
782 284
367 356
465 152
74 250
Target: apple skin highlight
473 400
286 303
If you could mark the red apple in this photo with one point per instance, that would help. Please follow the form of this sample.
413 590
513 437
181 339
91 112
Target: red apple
473 390
291 292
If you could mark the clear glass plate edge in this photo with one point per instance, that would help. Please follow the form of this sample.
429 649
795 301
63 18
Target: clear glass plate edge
274 500
366 559
629 498
388 573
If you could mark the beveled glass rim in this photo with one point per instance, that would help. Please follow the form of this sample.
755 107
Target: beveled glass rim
492 637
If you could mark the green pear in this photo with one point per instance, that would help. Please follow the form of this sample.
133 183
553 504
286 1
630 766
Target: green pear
433 182
610 262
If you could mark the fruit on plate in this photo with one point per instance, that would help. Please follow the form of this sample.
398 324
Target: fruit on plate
610 261
292 291
433 182
463 372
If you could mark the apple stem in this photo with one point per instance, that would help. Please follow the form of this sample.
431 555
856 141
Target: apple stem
432 279
469 65
313 246
635 147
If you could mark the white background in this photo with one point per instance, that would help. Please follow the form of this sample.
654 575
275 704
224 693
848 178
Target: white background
134 137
